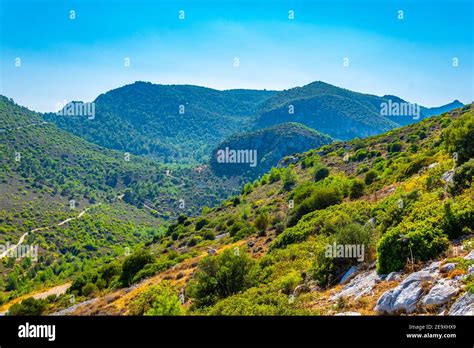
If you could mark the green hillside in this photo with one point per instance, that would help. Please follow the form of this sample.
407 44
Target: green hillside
338 112
81 203
403 195
269 145
172 123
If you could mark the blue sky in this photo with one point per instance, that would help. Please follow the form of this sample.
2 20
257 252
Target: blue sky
65 60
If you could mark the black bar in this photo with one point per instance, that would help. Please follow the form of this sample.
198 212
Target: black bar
247 331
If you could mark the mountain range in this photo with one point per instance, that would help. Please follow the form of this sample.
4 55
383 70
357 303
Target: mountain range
145 173
184 123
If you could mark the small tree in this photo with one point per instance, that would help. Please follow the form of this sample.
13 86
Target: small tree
289 178
133 264
30 306
395 147
262 221
357 189
221 276
370 177
321 173
161 299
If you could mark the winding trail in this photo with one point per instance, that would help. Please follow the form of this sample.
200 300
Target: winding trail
22 238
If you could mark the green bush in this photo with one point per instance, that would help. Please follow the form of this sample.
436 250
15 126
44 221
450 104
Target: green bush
133 264
89 289
395 147
321 197
356 189
275 175
326 268
201 223
262 221
458 218
320 173
462 177
244 232
459 137
289 178
208 235
157 300
256 301
221 276
359 155
419 240
370 177
248 188
30 306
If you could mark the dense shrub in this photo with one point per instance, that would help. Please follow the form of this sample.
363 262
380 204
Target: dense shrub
320 198
30 306
201 223
326 268
133 264
244 232
370 177
248 188
320 173
459 137
462 177
418 240
289 178
275 175
221 276
356 189
161 299
458 218
262 221
359 155
394 147
89 289
256 301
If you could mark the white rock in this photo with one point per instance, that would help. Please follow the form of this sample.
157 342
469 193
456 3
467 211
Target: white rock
441 293
469 256
464 305
394 276
448 267
405 296
362 284
348 275
423 275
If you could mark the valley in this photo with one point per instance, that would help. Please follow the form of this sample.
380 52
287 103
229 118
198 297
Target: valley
168 220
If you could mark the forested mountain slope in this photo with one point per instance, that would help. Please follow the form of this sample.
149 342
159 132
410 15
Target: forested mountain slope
266 148
405 196
172 123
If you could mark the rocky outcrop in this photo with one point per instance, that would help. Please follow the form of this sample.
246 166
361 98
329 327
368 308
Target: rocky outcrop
394 276
464 305
446 268
441 292
351 272
360 285
405 296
